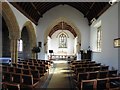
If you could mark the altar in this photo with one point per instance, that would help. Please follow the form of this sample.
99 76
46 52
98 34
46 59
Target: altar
62 57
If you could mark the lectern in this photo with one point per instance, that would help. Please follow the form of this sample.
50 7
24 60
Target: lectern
50 51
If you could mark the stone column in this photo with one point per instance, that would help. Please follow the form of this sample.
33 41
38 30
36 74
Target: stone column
33 55
14 50
78 47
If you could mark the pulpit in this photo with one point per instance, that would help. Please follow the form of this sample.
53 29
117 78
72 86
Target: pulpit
86 55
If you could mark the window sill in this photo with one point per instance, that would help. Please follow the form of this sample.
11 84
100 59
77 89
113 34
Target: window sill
20 51
96 51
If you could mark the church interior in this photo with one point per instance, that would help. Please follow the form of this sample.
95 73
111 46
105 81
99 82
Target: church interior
59 45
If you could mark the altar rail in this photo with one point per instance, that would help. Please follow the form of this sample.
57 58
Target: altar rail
62 57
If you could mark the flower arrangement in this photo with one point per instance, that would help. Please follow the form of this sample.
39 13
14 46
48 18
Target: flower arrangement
36 50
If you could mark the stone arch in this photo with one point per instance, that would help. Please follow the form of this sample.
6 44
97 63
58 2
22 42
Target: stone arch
11 21
13 28
57 21
32 35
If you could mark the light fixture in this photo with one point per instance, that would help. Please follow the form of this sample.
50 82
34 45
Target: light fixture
93 20
111 2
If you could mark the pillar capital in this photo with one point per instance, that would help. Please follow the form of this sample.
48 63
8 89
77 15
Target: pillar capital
14 37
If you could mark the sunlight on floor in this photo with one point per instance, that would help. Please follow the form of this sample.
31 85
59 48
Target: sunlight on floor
60 75
58 69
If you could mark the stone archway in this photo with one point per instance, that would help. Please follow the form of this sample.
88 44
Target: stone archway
13 28
69 23
32 36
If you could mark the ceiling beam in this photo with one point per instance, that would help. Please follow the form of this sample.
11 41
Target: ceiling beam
90 9
35 8
22 11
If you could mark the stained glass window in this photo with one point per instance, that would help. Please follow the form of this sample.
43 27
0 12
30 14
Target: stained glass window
62 41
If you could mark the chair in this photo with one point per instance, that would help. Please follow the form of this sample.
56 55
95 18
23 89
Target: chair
4 68
88 69
41 70
84 65
28 82
93 75
26 71
30 63
104 68
35 74
88 85
79 70
35 61
25 66
114 83
14 64
97 64
103 74
102 84
96 68
91 65
44 67
20 66
112 73
32 67
25 63
80 77
27 79
18 70
91 62
16 78
6 77
9 86
36 64
77 66
1 86
10 69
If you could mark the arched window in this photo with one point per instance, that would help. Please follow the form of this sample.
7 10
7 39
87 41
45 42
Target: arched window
99 34
62 41
20 45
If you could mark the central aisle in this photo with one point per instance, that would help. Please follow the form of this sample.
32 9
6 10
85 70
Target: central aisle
60 75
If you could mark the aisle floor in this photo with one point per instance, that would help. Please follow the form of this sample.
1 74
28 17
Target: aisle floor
60 75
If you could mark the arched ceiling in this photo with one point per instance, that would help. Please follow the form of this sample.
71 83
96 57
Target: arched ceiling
35 10
62 26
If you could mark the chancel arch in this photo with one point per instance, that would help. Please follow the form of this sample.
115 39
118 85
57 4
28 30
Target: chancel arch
57 25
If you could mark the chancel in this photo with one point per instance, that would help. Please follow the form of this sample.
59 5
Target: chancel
60 45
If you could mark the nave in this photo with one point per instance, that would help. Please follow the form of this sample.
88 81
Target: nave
35 74
60 75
